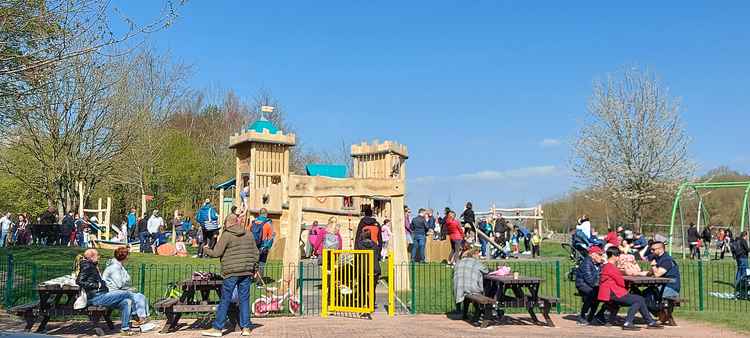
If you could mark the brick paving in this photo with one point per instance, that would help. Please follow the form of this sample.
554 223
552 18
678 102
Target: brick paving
400 326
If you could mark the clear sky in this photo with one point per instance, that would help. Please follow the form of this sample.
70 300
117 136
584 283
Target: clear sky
486 94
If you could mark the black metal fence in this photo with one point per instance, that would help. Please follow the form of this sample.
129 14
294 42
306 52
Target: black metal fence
707 286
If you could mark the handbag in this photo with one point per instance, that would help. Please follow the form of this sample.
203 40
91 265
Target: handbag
82 300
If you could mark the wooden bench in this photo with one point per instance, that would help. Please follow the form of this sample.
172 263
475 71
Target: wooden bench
30 312
483 307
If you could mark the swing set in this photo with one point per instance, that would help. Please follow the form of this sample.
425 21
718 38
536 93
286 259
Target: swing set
703 216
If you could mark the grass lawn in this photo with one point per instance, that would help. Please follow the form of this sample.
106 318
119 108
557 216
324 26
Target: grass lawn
703 283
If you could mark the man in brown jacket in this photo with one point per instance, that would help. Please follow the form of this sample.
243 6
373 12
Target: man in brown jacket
238 255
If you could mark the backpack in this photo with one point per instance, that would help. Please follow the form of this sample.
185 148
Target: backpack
374 231
258 228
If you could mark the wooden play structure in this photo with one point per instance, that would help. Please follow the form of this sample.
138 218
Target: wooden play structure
378 180
103 215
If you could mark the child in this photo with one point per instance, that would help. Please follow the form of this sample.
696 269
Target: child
243 196
536 243
514 243
626 261
180 247
386 233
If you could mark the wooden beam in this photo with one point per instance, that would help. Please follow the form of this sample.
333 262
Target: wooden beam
400 255
339 212
291 246
318 186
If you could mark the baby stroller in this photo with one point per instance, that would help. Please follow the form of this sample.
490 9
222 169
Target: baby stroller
577 250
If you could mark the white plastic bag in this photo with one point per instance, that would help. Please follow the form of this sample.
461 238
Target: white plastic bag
82 301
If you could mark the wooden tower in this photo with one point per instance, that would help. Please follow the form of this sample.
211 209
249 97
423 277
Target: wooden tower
262 155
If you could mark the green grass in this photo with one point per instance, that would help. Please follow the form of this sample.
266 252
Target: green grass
731 320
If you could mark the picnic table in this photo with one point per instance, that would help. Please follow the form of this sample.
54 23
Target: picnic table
189 303
656 285
518 297
57 300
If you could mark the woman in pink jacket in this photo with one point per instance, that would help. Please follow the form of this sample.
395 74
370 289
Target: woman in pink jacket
456 235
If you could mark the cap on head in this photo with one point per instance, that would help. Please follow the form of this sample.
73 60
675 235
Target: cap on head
595 250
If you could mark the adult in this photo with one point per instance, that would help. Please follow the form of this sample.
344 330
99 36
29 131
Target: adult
740 251
524 234
612 238
468 276
663 265
117 278
48 217
419 229
315 237
456 235
584 224
485 228
5 224
407 229
367 241
239 261
369 225
132 220
177 222
721 244
97 292
208 219
612 289
143 236
155 225
262 230
22 233
468 219
587 283
68 223
693 237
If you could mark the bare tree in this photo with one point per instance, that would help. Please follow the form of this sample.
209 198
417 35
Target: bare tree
632 144
69 131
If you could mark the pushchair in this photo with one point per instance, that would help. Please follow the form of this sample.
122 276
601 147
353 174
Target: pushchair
577 250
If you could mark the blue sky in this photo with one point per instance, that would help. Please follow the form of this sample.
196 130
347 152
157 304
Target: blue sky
486 94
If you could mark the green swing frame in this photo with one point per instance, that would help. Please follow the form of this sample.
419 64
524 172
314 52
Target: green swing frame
677 209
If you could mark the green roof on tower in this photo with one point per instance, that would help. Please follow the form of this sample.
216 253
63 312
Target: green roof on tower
261 124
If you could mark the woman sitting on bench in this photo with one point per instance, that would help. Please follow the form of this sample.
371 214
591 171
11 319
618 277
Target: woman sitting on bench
612 289
97 292
117 278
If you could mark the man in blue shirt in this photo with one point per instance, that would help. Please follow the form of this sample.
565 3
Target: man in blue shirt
419 232
663 265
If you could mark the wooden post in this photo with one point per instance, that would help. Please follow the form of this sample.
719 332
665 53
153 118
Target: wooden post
400 255
291 246
143 206
80 199
107 218
99 217
221 208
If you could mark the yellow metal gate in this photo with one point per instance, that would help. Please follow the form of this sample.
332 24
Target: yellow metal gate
348 281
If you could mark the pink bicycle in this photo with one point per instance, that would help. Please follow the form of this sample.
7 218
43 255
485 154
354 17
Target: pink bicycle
271 303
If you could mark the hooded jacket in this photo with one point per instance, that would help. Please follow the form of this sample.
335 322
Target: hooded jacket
368 221
116 277
236 251
90 280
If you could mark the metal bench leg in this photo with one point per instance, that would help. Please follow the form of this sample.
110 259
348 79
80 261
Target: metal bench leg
545 313
465 309
487 315
43 324
29 318
108 319
530 307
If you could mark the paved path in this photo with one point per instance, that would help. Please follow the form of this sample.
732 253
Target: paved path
406 326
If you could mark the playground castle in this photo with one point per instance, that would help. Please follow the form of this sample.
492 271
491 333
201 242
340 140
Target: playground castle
263 167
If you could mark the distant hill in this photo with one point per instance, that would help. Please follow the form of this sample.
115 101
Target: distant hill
723 206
